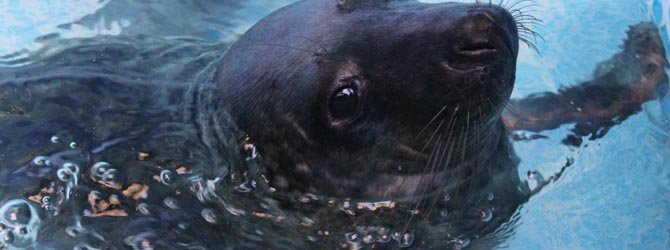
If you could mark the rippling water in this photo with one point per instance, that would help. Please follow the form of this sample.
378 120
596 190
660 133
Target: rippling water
106 140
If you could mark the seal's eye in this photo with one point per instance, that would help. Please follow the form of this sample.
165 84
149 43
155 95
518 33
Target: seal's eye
343 103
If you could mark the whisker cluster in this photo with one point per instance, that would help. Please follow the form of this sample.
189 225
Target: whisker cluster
525 21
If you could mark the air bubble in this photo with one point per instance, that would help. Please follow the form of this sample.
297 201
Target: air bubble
143 208
95 195
73 145
17 214
140 241
7 236
352 237
110 176
73 231
532 175
23 218
40 160
485 214
369 239
246 186
55 139
208 215
444 212
64 174
46 200
73 168
406 240
384 238
490 197
99 168
170 203
251 152
21 230
167 177
461 243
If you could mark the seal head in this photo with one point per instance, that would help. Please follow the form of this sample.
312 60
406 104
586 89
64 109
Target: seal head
373 98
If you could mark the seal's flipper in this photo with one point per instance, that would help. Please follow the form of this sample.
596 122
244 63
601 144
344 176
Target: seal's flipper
619 88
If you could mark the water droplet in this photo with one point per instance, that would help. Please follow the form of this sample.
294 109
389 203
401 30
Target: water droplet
73 145
7 236
208 215
406 240
46 200
446 198
250 151
307 222
99 168
170 203
40 160
17 214
461 243
64 174
167 177
246 186
384 238
73 231
55 139
143 208
485 214
444 212
21 230
110 176
95 195
352 237
369 239
20 217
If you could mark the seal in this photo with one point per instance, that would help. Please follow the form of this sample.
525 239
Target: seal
373 98
379 99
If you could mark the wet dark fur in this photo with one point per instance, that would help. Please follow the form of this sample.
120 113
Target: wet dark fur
426 108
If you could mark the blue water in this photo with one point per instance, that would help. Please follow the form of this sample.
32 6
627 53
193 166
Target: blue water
616 195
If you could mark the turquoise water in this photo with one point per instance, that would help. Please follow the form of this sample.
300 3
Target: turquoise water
616 195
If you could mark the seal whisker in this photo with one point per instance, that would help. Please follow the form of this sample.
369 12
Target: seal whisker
416 199
443 164
402 182
298 129
432 119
